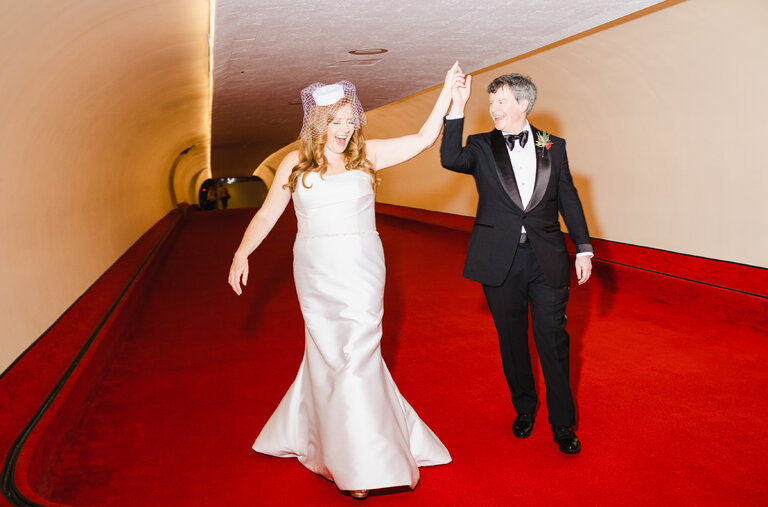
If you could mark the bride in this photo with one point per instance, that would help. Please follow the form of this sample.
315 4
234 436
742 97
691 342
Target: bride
343 417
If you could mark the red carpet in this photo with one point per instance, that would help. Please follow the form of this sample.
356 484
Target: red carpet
669 379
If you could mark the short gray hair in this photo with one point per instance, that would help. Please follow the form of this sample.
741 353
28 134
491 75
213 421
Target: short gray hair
522 87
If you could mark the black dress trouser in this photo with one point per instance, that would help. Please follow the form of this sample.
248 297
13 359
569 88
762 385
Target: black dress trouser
509 304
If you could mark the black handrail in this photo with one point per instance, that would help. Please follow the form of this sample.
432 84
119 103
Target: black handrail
7 477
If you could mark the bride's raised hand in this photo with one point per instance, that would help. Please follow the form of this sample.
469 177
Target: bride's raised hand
454 77
453 73
237 272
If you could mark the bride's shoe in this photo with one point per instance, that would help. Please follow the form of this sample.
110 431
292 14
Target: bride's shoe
360 494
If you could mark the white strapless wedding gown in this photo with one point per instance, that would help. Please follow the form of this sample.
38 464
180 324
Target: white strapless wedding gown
343 417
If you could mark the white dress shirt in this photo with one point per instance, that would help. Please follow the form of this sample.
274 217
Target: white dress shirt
524 165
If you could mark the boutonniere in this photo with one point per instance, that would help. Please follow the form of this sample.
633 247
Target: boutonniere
542 140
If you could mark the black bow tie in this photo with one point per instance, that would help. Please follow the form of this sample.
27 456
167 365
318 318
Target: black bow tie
522 137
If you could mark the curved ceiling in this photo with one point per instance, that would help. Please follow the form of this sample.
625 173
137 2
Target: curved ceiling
266 52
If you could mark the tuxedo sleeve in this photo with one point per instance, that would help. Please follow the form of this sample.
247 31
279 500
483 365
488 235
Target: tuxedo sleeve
571 209
452 155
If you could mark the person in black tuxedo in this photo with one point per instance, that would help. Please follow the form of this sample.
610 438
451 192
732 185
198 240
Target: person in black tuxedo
516 249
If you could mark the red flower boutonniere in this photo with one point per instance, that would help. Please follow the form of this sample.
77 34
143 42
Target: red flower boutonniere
542 140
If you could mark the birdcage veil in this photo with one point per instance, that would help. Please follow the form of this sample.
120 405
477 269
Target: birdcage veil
331 98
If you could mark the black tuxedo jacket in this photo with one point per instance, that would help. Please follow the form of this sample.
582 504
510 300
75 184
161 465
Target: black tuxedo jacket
500 214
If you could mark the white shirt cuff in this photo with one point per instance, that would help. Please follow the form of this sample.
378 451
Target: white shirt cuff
454 116
585 254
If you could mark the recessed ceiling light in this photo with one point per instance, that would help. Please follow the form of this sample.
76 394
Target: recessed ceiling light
368 51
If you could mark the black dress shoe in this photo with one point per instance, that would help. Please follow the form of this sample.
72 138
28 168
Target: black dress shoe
566 439
523 425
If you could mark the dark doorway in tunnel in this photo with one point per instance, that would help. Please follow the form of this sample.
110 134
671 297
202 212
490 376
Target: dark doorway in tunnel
235 192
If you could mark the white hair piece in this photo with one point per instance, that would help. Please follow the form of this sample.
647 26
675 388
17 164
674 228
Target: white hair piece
331 96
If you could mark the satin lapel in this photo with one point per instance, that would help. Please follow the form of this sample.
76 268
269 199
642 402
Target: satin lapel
504 167
543 172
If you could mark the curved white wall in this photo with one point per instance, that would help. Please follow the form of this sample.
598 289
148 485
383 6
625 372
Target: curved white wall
97 99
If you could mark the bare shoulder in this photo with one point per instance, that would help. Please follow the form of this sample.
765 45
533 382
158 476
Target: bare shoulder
291 159
287 164
283 171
